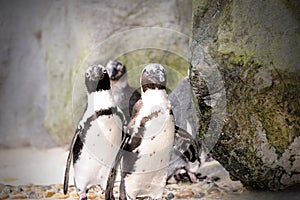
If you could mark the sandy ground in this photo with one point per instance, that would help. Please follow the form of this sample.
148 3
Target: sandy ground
40 167
46 167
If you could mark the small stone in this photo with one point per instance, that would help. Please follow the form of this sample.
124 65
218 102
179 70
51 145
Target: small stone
199 195
4 196
173 187
213 191
185 194
19 189
47 187
91 196
61 196
18 196
33 195
75 195
212 179
14 192
49 194
26 189
170 196
6 190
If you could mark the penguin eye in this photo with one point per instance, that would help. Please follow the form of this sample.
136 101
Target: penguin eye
104 71
87 74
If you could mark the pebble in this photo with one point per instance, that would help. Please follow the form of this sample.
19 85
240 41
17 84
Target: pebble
201 190
4 196
184 194
170 196
91 195
18 196
6 190
61 196
49 194
33 195
199 195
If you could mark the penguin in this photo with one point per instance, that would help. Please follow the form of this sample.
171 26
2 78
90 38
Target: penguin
98 135
184 113
184 156
146 148
124 95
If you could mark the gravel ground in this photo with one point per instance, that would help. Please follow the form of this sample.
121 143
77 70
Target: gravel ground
38 174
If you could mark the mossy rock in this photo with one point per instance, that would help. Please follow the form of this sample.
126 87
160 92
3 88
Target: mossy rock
255 46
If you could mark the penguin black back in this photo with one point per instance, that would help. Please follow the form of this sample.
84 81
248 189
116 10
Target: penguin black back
124 95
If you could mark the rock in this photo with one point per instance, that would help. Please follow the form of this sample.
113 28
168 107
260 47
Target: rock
49 194
6 190
199 195
184 194
170 196
4 196
249 64
33 195
18 196
91 195
61 196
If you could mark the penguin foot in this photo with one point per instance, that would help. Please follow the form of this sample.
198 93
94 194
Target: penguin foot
192 177
82 196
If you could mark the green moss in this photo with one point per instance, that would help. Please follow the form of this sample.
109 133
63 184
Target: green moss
59 120
275 106
199 9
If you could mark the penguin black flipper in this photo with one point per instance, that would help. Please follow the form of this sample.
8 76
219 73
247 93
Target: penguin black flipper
186 144
135 97
69 161
113 172
123 147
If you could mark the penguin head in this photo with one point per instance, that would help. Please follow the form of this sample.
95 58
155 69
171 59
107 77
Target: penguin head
96 79
153 77
115 69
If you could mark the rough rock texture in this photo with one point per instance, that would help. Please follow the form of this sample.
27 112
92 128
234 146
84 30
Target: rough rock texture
254 46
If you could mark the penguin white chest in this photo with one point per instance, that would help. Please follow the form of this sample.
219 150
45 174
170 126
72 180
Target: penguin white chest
150 169
99 148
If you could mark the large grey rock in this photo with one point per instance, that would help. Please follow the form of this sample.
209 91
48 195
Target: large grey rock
247 54
23 80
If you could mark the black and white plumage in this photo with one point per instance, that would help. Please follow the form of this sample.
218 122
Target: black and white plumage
185 113
148 142
124 95
98 135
